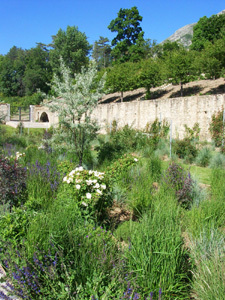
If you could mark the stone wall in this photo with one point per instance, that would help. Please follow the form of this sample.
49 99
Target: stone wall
178 111
5 111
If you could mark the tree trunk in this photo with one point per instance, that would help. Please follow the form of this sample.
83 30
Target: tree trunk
121 97
181 89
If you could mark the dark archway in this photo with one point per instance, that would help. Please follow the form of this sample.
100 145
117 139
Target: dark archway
44 117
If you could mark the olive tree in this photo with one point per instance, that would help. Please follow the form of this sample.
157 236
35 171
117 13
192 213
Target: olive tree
74 102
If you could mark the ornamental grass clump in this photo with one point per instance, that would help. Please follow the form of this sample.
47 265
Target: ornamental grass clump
208 253
90 189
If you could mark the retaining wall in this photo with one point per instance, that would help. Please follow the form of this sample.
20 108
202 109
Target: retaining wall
178 111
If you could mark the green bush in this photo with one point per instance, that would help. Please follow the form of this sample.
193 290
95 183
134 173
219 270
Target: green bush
185 149
217 161
13 226
116 171
90 189
203 157
216 128
119 142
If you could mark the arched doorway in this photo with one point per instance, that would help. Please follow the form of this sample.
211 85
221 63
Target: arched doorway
44 117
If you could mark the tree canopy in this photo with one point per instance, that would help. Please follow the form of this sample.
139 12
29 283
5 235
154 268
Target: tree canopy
73 46
129 31
208 30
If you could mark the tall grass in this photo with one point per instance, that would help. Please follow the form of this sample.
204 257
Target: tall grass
208 252
156 257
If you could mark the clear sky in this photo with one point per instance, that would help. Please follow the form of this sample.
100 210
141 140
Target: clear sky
25 22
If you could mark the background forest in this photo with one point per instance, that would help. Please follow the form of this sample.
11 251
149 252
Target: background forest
126 215
131 61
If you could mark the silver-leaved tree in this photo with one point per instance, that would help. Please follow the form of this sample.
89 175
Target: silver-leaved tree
76 98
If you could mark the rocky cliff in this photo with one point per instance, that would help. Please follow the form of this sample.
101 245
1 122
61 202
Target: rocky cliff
184 34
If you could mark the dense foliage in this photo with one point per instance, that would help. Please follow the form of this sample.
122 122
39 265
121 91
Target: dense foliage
131 61
132 227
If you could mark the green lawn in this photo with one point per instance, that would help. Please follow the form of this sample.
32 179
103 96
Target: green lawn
200 173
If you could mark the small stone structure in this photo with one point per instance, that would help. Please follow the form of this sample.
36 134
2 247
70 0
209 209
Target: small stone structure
138 113
42 114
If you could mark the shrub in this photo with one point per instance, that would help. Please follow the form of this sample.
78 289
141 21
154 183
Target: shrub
203 157
157 130
90 190
217 161
185 149
177 178
13 225
115 172
12 182
216 128
120 142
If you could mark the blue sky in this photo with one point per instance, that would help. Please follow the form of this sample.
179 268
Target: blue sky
25 22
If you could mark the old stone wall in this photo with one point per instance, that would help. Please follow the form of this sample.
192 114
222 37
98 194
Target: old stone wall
5 111
177 111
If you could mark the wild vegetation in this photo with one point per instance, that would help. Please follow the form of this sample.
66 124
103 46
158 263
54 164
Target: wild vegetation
130 223
126 215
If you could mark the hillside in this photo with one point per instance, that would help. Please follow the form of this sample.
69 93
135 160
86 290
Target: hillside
184 34
201 87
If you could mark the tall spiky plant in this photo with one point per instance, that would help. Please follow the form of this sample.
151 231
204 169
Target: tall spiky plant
75 100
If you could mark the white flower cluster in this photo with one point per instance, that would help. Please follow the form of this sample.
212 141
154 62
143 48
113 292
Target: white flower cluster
69 178
93 185
17 156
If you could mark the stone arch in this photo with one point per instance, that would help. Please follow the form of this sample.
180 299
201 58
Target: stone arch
44 117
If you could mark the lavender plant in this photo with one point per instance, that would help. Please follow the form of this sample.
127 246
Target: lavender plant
43 181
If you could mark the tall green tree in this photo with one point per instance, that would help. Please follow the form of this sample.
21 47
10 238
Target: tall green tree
150 75
207 30
212 59
12 70
101 52
38 71
122 77
129 31
73 46
76 99
178 67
